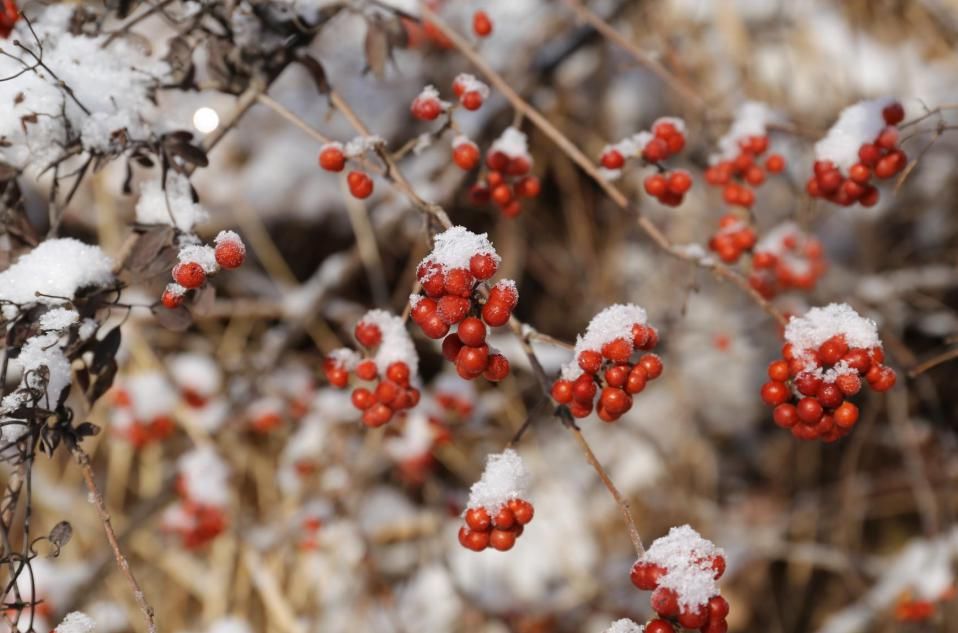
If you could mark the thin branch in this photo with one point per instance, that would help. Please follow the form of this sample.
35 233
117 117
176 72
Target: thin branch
934 361
121 561
687 94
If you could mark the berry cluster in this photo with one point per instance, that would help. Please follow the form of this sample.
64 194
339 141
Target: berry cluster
265 415
827 353
507 180
911 608
498 531
391 367
333 157
198 261
680 570
200 514
451 277
740 173
733 238
666 139
497 512
146 417
603 358
786 258
878 154
9 14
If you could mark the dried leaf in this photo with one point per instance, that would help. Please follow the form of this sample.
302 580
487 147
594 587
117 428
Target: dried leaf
317 72
177 319
59 536
376 48
105 350
146 248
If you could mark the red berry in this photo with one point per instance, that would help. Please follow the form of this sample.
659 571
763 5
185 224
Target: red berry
386 391
775 163
522 510
367 370
497 368
482 266
774 393
778 370
636 380
473 360
809 410
496 313
377 415
665 602
189 275
472 100
423 308
583 389
398 372
695 618
451 346
612 159
830 395
478 519
362 398
502 540
230 253
466 155
433 326
849 384
528 187
846 415
617 350
754 175
562 391
888 138
807 383
331 158
785 415
501 194
617 375
869 154
481 24
472 332
426 108
893 113
368 334
360 185
652 365
655 150
659 626
679 182
718 608
656 185
590 361
459 282
172 298
883 380
615 401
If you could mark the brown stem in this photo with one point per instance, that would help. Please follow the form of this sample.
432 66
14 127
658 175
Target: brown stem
683 90
573 152
934 361
84 462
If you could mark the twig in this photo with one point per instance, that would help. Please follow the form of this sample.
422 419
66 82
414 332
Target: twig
934 361
84 462
293 118
684 91
570 149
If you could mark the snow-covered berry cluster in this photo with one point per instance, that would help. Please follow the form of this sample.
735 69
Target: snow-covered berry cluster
333 157
389 359
202 484
787 258
427 106
197 262
603 358
9 14
862 144
497 514
913 608
734 237
142 411
666 139
738 167
827 353
451 277
507 180
681 570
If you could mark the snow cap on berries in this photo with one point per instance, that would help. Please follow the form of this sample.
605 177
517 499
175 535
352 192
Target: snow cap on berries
820 324
396 346
857 125
229 237
751 119
196 372
345 358
687 560
625 625
504 478
513 144
76 622
202 254
454 247
613 323
469 83
151 395
205 476
362 144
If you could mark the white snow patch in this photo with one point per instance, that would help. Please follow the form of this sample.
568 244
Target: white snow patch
613 323
174 206
504 478
205 476
820 324
687 560
856 125
454 247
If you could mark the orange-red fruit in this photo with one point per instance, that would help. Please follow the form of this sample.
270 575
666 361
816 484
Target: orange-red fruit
656 185
652 365
590 361
774 393
502 540
466 155
809 410
665 602
612 159
360 185
362 398
230 254
366 370
893 113
775 163
451 346
472 100
171 299
659 626
377 415
846 415
368 334
481 24
496 313
398 372
562 391
332 159
478 519
189 275
482 266
497 368
522 510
